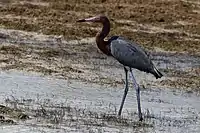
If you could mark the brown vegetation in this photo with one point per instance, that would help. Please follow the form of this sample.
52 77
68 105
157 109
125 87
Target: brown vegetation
171 25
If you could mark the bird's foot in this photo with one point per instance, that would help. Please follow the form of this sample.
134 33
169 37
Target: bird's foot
141 119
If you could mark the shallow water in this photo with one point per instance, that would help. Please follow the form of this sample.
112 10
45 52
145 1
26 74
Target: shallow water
170 110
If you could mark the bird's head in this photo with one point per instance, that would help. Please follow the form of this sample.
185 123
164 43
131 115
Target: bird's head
97 19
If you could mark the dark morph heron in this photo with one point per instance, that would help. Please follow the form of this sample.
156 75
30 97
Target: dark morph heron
128 53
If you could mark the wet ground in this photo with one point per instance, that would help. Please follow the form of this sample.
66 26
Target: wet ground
48 85
61 82
81 60
49 105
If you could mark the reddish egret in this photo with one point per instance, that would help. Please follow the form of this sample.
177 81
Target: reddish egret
128 53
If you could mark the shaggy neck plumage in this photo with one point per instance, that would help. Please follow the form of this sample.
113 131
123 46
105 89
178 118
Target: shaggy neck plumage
101 43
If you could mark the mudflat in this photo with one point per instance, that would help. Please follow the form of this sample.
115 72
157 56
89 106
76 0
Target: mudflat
53 77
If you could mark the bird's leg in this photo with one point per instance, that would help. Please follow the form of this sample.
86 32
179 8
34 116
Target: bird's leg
125 91
137 88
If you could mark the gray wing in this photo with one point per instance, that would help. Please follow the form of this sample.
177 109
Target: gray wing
130 54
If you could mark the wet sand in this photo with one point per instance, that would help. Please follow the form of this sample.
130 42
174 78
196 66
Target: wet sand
57 105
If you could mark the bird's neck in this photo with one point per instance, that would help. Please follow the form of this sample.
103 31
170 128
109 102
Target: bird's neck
101 43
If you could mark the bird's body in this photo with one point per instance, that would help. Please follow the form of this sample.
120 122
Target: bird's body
132 55
128 53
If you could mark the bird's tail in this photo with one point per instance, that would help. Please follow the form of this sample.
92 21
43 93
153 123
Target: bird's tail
157 73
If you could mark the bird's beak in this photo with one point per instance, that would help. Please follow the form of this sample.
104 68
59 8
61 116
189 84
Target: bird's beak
81 20
92 19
